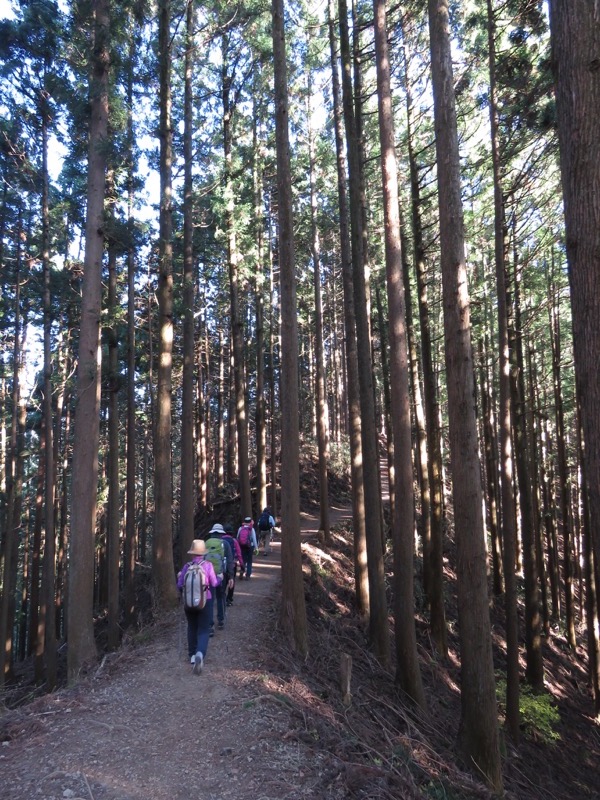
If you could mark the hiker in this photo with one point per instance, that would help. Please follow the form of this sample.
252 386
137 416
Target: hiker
220 554
238 559
246 536
265 525
200 617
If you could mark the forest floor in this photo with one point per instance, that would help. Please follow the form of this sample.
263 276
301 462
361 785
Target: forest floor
260 724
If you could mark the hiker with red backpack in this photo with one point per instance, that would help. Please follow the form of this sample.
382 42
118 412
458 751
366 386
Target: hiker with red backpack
246 536
195 581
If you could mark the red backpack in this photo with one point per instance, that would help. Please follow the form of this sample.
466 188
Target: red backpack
245 535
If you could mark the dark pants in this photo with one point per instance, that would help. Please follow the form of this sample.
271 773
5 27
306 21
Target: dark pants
198 628
219 602
247 553
229 595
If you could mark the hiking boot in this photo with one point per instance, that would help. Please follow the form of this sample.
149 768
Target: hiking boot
198 663
221 625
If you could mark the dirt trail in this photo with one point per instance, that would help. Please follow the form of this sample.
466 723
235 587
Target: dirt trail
141 725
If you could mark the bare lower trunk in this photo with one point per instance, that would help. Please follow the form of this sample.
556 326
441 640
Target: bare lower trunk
82 647
293 610
479 718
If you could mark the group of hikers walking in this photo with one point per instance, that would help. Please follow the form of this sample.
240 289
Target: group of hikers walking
207 582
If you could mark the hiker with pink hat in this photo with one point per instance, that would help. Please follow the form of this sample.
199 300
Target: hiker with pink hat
195 581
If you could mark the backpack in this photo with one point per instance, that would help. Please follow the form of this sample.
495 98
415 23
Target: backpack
215 553
195 587
264 521
245 536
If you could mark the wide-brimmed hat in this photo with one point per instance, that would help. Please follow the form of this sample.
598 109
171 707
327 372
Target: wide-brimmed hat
198 548
217 528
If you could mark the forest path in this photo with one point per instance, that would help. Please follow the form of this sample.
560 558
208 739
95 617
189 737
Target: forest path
141 725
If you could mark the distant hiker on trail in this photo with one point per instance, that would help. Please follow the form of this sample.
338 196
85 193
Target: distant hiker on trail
265 526
220 554
246 536
237 556
194 582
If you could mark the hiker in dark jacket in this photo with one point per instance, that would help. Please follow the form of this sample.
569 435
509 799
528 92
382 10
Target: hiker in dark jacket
238 559
225 567
264 529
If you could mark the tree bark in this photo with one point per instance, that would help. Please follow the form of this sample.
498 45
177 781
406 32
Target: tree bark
479 717
433 545
131 536
113 534
378 614
293 610
408 673
509 519
163 567
188 482
575 36
361 580
237 325
84 487
321 409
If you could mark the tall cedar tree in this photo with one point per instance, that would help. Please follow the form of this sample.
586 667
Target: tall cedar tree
479 717
162 547
187 493
509 514
408 674
378 617
575 31
293 609
361 581
82 647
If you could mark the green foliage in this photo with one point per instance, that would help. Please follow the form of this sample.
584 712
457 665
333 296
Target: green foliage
339 458
539 715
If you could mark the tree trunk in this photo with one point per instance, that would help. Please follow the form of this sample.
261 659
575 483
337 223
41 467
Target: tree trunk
261 285
509 519
408 673
574 29
479 717
84 487
378 614
533 640
49 563
361 581
10 544
163 568
113 534
491 468
237 324
563 474
433 546
131 537
321 409
293 610
188 482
